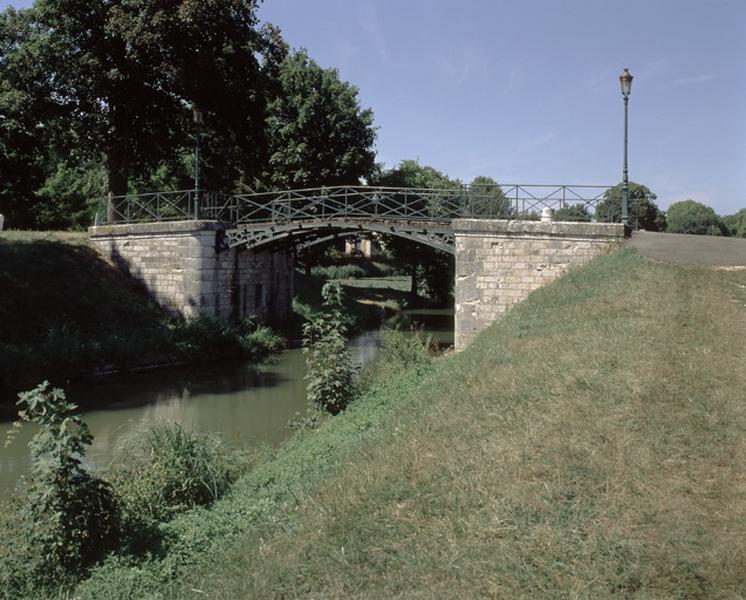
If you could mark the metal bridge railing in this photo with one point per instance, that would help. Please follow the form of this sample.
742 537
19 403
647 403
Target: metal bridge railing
479 201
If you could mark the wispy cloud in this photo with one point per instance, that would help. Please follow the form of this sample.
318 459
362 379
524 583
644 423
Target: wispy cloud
693 79
370 22
466 63
536 142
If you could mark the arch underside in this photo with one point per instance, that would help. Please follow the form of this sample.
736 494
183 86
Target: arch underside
303 234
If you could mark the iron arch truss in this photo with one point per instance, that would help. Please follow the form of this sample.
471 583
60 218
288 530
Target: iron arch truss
438 235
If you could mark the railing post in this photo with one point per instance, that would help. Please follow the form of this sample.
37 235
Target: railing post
109 208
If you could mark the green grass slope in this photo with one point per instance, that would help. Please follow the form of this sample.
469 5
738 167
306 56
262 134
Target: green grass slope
590 445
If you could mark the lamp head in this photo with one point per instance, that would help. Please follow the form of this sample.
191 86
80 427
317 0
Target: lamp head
197 114
625 79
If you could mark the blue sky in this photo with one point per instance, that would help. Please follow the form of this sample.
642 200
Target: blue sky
528 92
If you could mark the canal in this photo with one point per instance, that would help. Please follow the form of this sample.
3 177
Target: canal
247 403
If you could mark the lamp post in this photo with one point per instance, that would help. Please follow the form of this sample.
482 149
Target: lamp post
626 81
198 120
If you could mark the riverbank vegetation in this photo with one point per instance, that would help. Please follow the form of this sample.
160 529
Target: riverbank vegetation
591 442
71 313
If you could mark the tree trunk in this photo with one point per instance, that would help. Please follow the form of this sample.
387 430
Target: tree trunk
117 166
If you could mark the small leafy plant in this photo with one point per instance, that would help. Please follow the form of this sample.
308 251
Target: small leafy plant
329 369
70 518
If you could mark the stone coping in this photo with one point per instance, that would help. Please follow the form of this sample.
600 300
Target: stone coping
164 227
516 227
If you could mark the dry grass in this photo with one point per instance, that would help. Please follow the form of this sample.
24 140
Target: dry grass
591 445
69 237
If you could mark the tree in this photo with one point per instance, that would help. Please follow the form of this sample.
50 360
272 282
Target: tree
431 270
112 81
736 224
487 199
643 212
572 212
317 132
689 216
23 96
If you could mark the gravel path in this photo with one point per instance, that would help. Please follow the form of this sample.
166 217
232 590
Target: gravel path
690 249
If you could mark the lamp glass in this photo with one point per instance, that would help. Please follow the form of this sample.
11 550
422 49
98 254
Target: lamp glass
197 114
625 79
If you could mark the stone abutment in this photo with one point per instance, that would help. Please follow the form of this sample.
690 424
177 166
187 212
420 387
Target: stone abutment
187 269
500 262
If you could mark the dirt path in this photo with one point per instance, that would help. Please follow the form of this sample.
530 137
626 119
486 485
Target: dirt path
690 249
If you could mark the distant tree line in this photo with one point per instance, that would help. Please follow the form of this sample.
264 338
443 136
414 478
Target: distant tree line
686 216
96 97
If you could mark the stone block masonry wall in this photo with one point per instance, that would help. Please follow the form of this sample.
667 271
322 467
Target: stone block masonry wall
500 262
182 266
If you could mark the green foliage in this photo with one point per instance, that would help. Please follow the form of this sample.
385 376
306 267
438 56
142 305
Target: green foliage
70 517
164 470
431 270
316 130
487 199
643 212
329 369
65 198
350 271
689 216
736 223
411 174
352 268
574 212
402 351
23 95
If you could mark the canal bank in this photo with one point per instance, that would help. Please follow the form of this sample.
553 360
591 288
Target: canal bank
591 440
248 403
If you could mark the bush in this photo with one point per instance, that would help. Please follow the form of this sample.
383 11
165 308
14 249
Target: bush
164 470
736 223
402 351
340 271
575 212
329 369
68 518
689 216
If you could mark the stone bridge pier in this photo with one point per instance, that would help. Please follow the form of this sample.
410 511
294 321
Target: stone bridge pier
187 268
500 262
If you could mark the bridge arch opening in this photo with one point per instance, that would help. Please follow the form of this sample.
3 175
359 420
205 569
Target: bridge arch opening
414 267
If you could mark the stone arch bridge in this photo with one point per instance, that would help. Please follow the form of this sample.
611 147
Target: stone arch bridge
233 255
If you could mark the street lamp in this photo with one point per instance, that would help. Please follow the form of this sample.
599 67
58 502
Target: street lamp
625 79
198 120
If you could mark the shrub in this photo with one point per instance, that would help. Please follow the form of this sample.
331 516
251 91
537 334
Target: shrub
689 216
163 470
69 517
329 369
574 212
339 271
736 223
402 351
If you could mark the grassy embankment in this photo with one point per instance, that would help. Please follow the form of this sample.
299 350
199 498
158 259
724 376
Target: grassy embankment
589 445
64 311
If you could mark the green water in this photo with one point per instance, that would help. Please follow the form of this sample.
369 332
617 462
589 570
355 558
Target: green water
248 403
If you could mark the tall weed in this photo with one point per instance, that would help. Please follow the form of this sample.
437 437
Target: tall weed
164 470
68 518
